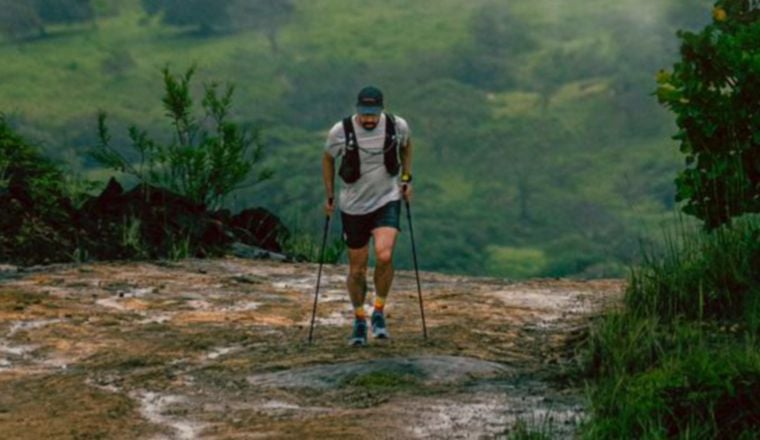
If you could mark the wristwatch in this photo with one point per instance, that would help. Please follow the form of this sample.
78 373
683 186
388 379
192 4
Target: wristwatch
406 178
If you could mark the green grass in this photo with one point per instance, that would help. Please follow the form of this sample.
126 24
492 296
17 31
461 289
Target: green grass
682 359
532 429
306 247
704 392
703 276
383 381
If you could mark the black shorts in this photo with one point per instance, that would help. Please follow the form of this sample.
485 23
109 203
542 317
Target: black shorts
357 229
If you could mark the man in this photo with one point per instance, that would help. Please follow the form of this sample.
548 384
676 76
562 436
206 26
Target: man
376 169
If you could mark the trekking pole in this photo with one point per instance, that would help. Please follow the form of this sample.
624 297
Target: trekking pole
319 274
416 270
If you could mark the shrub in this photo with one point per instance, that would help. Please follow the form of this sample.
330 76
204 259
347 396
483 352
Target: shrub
35 226
714 92
201 163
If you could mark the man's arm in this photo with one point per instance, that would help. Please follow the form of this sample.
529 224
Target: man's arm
406 168
328 175
406 157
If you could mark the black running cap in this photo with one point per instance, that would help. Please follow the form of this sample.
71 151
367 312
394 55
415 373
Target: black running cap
370 101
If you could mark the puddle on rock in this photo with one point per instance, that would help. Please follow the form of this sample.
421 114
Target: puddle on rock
157 408
21 354
216 353
487 415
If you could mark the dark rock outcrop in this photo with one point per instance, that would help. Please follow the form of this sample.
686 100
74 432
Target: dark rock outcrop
259 227
143 222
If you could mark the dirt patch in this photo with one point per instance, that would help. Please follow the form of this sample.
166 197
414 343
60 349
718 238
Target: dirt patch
217 349
64 406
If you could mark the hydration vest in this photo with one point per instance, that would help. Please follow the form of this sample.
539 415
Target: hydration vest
350 165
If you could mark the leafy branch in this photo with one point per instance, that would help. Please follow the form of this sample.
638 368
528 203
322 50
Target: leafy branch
204 161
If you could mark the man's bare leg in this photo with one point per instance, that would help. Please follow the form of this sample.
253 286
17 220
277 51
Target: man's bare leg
357 276
385 240
357 290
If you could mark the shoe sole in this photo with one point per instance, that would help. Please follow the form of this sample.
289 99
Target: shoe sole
381 334
357 342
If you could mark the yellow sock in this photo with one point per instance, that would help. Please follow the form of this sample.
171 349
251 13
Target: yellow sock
379 304
359 313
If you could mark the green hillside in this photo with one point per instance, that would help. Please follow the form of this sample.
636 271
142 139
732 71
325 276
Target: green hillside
539 148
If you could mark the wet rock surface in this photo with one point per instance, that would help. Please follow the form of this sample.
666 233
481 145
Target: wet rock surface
217 349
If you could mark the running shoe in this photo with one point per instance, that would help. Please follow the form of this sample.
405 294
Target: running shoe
379 330
359 334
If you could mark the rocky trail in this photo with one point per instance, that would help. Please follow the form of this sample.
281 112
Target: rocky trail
217 349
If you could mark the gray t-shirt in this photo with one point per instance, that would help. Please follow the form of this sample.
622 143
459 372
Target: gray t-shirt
375 187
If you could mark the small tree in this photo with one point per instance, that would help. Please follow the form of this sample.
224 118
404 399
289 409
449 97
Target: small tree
205 160
714 90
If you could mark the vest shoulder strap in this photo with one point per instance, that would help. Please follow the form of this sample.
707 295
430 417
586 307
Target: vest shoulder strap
390 149
348 131
390 125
